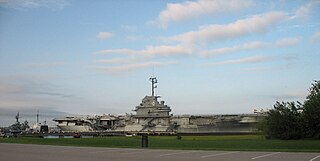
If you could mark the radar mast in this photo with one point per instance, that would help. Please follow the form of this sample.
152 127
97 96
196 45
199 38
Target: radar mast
37 116
17 117
154 81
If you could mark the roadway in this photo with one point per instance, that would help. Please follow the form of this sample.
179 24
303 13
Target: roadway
30 152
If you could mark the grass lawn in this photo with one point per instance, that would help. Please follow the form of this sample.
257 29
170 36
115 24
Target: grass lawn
237 142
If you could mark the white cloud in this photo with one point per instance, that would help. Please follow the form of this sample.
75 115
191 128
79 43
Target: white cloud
162 50
189 10
252 25
121 60
251 46
136 59
253 59
132 67
21 4
315 37
104 35
287 42
116 51
238 48
307 9
167 50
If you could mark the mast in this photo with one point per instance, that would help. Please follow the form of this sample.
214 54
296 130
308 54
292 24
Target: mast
17 117
38 116
154 81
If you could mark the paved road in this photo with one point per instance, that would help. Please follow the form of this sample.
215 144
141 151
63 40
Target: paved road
25 152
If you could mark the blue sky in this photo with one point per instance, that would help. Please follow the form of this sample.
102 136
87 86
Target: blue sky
210 56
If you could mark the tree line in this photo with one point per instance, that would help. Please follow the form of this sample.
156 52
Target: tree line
295 120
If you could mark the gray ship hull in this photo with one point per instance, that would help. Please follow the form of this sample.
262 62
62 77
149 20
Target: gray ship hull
152 115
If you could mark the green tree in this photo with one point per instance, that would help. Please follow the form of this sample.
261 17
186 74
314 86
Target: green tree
311 112
284 121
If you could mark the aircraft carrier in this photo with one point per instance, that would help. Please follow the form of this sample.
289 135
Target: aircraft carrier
153 116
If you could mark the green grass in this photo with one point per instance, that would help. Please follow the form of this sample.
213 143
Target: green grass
237 142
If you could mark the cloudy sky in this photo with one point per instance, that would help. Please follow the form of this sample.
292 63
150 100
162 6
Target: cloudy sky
210 56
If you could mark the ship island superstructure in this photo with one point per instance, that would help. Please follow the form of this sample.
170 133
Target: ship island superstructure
152 115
